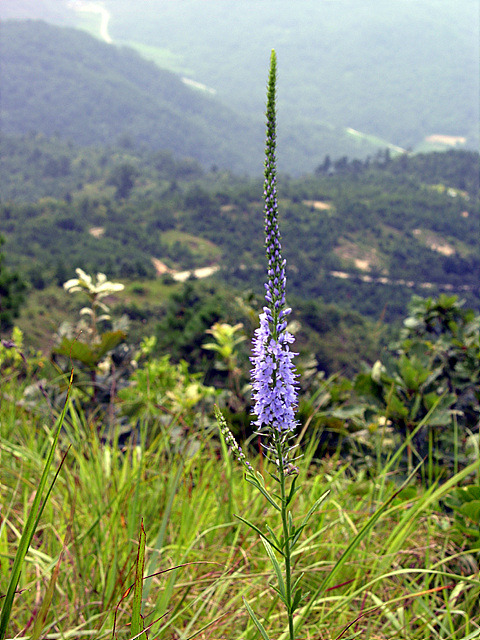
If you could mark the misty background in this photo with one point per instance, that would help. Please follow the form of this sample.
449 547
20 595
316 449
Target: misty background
354 77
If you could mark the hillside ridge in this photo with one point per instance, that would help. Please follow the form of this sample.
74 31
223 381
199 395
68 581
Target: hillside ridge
368 233
58 80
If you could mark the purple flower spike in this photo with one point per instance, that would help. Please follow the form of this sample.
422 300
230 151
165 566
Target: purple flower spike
273 372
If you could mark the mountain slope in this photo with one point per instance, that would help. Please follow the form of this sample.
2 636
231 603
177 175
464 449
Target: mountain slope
60 80
366 235
397 69
353 76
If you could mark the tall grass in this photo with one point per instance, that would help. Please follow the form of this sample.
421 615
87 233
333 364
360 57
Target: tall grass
396 574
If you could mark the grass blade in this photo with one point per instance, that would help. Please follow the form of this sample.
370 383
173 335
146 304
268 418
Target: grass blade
42 614
349 550
31 524
256 621
277 568
137 620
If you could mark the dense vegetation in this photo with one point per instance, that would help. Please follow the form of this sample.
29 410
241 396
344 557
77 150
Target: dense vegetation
335 57
123 513
141 462
388 419
12 290
362 235
63 81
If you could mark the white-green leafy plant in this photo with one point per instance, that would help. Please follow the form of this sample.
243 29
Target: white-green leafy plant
91 341
96 292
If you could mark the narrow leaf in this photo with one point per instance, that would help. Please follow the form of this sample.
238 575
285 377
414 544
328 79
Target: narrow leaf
137 626
42 614
363 532
296 600
264 492
292 492
277 544
351 547
314 508
260 533
295 584
256 621
276 567
31 524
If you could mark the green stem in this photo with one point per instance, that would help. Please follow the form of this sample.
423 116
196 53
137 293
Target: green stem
409 451
286 538
455 444
430 456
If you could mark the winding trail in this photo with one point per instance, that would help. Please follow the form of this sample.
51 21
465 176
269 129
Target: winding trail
95 7
343 275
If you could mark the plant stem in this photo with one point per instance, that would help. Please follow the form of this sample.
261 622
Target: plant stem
455 444
286 537
430 456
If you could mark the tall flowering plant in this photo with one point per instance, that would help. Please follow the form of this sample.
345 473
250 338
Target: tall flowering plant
274 395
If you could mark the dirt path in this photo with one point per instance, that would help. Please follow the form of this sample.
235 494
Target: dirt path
343 275
93 7
181 276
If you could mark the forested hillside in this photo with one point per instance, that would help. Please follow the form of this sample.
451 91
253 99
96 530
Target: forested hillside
354 76
60 81
63 81
373 66
362 235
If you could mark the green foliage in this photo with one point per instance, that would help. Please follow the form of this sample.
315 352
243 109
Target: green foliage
227 337
166 398
31 523
159 458
11 352
191 312
427 394
90 355
99 87
197 552
123 179
90 346
330 333
12 293
465 502
358 238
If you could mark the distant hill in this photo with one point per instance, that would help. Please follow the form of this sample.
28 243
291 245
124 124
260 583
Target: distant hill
62 81
400 70
351 74
364 235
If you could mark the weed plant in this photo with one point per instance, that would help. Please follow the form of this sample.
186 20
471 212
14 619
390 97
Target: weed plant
103 539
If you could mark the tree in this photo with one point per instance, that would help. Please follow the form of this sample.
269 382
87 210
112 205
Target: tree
12 289
123 178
